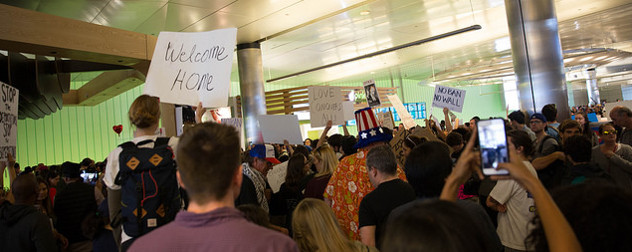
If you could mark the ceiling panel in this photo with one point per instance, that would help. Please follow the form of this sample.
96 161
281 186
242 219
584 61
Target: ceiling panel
128 15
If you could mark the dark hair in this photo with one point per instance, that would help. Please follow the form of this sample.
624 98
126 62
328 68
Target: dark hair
46 203
569 124
411 141
24 188
86 162
433 225
314 143
476 119
518 116
622 111
255 214
427 166
208 157
454 139
383 159
335 140
586 127
295 170
597 212
601 127
347 145
579 148
550 112
301 149
520 138
464 131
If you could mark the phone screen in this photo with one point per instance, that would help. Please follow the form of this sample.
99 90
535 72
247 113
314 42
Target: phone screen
493 145
89 177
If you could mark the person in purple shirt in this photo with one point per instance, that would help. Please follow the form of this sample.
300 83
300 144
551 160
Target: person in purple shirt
210 172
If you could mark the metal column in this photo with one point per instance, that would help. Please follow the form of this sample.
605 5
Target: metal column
537 55
253 100
591 86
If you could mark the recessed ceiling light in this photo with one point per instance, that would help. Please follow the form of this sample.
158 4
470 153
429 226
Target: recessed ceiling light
585 59
365 12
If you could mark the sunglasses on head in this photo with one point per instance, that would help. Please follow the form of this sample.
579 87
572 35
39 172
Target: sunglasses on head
607 132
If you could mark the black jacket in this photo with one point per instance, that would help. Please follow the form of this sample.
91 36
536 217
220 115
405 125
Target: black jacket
24 228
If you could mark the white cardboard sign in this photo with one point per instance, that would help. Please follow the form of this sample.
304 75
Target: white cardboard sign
347 107
276 128
407 119
386 119
188 67
325 103
447 97
9 121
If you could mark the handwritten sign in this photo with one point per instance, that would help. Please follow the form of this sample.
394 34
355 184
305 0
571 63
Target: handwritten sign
276 176
372 96
188 67
9 121
386 119
325 103
425 132
397 145
447 97
407 119
276 128
234 122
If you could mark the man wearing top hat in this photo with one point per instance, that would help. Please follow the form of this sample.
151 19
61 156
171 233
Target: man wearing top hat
350 182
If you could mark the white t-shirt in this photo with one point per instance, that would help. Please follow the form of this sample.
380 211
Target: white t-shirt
514 224
112 166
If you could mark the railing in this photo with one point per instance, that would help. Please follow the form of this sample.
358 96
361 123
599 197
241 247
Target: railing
290 100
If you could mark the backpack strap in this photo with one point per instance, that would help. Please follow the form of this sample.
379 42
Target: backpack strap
162 141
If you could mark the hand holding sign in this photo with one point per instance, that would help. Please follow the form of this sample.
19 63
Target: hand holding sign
188 67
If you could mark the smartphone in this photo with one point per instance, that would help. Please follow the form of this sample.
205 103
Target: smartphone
89 177
492 140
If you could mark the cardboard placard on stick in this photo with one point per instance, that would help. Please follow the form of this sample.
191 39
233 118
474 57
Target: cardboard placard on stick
407 119
188 67
386 119
397 145
276 128
9 115
447 97
325 103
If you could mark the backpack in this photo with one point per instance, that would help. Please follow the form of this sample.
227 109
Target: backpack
147 177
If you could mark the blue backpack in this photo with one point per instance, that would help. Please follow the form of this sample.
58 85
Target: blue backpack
149 186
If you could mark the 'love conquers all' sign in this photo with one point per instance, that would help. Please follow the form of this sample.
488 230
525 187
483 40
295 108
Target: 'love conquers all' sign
188 67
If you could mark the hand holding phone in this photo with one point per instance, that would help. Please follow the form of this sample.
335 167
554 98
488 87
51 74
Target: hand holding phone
493 146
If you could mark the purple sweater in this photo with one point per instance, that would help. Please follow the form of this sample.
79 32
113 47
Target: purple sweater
223 229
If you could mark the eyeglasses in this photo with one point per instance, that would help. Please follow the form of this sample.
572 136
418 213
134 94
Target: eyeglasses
606 132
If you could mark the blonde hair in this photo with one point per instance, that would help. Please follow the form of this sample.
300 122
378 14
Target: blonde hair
144 111
327 156
316 228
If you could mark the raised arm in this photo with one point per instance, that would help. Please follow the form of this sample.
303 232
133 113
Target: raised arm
323 136
448 123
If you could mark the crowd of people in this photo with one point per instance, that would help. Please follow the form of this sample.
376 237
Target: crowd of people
568 188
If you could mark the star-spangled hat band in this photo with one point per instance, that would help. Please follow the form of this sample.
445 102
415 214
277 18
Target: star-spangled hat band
369 130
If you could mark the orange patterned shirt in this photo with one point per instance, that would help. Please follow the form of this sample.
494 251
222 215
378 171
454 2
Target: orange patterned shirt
346 189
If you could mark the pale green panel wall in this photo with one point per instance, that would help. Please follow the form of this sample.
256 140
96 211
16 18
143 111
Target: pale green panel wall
75 132
483 101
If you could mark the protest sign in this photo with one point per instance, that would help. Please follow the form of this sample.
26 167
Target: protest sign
424 132
234 122
9 121
325 103
348 110
276 128
447 97
276 176
372 96
397 145
407 119
386 119
188 67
